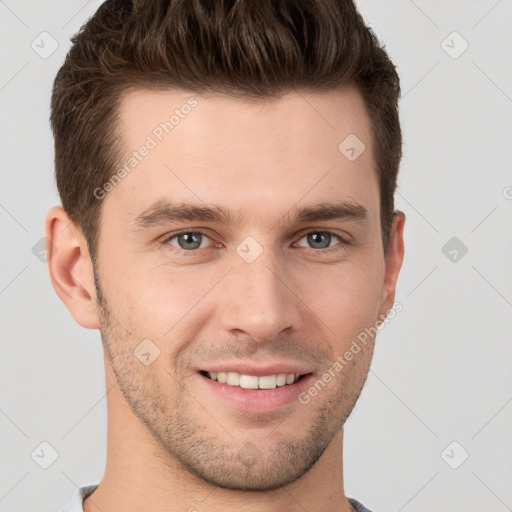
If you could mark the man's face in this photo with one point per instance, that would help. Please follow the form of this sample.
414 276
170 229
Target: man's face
258 293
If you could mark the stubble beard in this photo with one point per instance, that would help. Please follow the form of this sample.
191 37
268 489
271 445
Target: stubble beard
204 447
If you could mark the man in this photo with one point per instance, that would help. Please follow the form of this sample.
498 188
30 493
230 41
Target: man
227 172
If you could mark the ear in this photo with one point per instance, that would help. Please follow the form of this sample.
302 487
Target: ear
70 267
393 263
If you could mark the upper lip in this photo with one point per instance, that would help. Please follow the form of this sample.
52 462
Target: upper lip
258 370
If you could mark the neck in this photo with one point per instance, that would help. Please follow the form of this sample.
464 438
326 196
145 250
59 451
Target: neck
140 475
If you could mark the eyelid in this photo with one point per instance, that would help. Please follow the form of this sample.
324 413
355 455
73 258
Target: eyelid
342 241
342 235
167 238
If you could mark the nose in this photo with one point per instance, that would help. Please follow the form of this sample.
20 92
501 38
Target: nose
260 300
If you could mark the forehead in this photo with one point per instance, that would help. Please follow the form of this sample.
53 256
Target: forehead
337 111
262 156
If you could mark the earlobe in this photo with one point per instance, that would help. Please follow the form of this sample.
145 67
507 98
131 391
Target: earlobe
70 267
393 263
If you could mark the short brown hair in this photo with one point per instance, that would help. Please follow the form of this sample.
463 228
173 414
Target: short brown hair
254 49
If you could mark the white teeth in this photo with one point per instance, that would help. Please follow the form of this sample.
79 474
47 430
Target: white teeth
249 381
281 379
268 382
233 379
253 381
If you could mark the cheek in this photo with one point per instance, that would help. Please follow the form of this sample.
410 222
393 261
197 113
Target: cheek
161 302
346 299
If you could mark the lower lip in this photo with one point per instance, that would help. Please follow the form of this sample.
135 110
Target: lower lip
258 400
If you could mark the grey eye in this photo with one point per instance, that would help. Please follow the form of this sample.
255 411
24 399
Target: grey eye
318 239
188 241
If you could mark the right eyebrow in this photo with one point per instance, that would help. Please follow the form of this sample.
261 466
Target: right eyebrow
164 211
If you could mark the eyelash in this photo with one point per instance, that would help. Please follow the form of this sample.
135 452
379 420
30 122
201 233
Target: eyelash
192 252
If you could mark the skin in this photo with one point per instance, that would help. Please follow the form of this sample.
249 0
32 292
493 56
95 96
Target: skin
172 443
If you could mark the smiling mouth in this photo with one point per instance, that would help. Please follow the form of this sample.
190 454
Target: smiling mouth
253 381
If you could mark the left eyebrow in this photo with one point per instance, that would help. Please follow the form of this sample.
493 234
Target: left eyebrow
163 212
331 211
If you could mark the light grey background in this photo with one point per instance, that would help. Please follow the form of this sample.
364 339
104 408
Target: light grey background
442 368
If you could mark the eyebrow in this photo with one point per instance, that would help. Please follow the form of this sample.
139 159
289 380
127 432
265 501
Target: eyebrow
164 211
